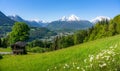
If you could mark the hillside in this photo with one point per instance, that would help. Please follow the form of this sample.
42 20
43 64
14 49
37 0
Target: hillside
100 55
69 25
29 22
38 33
5 24
4 20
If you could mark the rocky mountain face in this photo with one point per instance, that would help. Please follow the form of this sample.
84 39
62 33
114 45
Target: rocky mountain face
4 20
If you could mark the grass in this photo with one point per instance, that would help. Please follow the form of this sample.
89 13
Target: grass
5 49
98 55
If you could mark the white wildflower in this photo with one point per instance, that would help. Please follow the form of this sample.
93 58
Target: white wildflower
113 60
91 65
91 58
48 69
73 65
78 68
83 69
102 65
116 70
100 54
113 54
97 57
85 60
75 62
55 67
115 46
67 65
86 66
107 57
111 47
110 52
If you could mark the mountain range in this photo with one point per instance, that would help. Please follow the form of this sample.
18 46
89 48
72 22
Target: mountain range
65 23
4 20
69 25
32 23
99 18
74 23
70 18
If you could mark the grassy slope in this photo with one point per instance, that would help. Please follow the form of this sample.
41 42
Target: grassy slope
5 49
70 59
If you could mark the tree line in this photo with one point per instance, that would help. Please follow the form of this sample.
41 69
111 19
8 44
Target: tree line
101 29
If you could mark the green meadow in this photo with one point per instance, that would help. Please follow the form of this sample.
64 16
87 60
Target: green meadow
99 55
5 49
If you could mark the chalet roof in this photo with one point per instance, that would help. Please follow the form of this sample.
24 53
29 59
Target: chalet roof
20 44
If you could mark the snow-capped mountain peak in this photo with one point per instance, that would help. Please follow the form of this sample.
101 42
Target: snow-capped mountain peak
100 18
73 18
70 18
64 18
15 15
16 18
36 20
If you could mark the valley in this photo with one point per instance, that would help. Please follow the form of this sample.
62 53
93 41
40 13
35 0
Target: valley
59 35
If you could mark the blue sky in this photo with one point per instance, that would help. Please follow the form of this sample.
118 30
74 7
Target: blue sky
50 10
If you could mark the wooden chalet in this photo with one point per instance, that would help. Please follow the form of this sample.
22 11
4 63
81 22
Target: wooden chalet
19 48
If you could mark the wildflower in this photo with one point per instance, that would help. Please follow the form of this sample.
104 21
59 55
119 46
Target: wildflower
111 47
115 46
113 60
86 66
48 69
116 70
78 68
91 65
100 54
83 69
64 67
73 64
107 57
97 57
91 58
113 54
85 60
102 65
55 67
110 52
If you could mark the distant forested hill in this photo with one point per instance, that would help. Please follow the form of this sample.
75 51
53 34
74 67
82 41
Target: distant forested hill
69 25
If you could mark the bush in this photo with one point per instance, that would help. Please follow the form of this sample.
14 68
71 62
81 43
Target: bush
37 50
1 57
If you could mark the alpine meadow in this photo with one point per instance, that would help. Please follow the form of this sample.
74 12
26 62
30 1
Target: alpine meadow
33 37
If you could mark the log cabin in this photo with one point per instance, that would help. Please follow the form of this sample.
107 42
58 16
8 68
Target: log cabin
19 48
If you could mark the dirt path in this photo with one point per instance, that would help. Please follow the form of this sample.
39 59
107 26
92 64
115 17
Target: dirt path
5 53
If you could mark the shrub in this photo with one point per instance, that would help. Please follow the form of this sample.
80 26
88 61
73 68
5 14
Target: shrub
1 57
37 50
